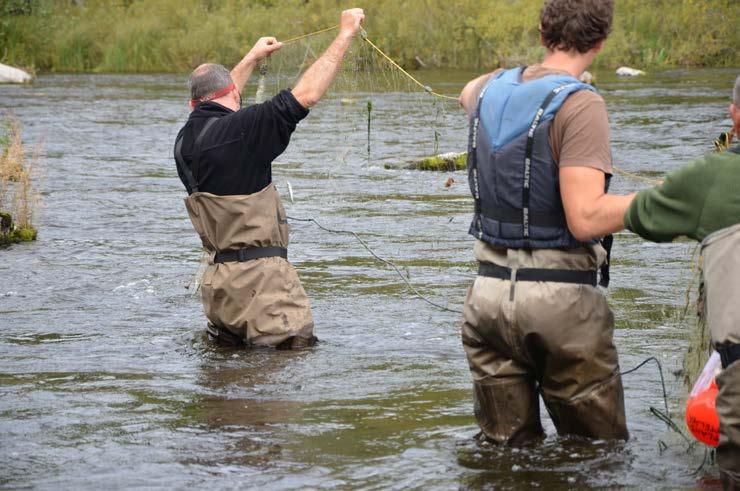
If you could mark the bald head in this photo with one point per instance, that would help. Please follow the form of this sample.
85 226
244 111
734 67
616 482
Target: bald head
207 79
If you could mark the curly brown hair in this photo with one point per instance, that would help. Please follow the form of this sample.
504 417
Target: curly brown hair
569 25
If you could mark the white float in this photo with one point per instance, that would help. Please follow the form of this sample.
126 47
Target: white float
10 75
625 71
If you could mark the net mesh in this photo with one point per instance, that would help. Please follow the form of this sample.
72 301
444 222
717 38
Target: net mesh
353 97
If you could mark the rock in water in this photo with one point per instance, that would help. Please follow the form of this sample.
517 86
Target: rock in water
587 78
10 75
625 71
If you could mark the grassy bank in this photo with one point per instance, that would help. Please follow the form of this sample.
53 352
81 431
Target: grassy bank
176 35
18 197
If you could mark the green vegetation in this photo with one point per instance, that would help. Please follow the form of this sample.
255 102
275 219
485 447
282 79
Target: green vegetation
17 193
444 162
176 35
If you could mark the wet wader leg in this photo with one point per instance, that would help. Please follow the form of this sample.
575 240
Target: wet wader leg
297 342
508 410
506 404
569 337
598 414
728 410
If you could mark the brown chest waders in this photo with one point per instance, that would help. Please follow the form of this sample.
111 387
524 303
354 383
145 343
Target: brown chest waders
251 293
721 279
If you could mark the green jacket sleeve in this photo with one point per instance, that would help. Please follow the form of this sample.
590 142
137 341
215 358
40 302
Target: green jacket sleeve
674 208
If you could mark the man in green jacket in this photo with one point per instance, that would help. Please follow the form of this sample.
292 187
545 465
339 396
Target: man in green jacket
702 201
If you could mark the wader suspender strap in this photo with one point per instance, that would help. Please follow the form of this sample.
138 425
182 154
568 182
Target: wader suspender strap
197 146
192 175
606 243
528 159
729 354
183 166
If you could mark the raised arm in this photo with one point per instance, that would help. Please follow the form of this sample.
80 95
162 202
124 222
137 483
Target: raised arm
317 79
243 70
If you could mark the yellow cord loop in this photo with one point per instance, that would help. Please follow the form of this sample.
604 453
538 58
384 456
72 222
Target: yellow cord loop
638 177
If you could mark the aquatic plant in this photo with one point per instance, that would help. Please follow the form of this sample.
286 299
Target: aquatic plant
19 199
442 162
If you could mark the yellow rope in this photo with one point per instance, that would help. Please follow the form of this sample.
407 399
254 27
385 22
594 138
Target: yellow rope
411 77
303 36
381 52
638 177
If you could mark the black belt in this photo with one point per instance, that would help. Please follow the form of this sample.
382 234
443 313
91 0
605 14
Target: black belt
242 255
729 354
538 274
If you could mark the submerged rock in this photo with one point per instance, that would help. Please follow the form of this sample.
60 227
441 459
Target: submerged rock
587 78
11 75
625 71
11 234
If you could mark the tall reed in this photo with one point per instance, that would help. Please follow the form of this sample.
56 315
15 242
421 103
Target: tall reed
19 197
176 35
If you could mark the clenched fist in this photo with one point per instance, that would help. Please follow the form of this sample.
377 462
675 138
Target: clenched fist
351 20
263 48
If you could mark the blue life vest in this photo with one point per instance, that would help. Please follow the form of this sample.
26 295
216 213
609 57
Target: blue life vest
511 171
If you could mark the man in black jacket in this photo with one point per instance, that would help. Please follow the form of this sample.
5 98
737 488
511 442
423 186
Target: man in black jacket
251 293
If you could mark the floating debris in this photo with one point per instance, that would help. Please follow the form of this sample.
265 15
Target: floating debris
625 71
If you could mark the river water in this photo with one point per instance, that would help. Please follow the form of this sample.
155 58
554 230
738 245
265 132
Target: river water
106 377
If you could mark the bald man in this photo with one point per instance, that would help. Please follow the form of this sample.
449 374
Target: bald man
251 293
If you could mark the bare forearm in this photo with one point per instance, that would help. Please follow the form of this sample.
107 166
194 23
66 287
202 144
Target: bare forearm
317 79
601 217
242 71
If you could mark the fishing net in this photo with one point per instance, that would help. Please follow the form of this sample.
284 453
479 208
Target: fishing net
368 85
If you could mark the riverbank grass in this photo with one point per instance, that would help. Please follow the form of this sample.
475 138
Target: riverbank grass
19 199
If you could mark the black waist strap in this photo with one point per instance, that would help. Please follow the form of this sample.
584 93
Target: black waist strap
729 354
250 253
510 215
538 274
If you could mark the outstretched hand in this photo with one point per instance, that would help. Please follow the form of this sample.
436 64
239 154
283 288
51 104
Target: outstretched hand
351 20
263 48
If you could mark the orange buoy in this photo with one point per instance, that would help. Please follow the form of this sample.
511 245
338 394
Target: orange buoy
701 411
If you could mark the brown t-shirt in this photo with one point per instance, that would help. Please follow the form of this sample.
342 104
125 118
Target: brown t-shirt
579 134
